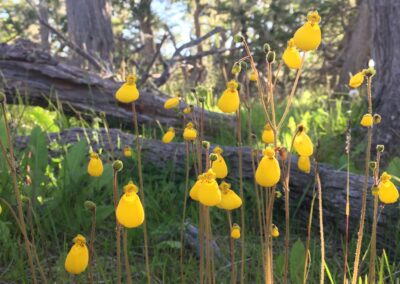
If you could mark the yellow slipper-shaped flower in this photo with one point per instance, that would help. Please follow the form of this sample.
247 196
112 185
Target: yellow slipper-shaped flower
128 92
291 56
130 212
252 76
209 193
367 120
274 231
189 133
169 135
219 166
388 192
78 257
95 166
308 37
229 199
357 80
303 144
268 171
194 191
127 151
268 136
171 103
229 101
304 164
235 232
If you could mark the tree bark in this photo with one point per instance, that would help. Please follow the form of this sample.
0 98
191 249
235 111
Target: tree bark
356 45
143 13
89 26
44 31
39 79
385 16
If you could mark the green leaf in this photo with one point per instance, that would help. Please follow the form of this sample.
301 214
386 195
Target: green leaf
103 211
296 262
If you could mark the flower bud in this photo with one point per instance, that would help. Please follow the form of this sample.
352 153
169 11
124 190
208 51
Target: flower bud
267 48
370 72
372 165
377 118
89 205
213 157
102 114
278 194
271 57
238 38
201 99
205 144
243 64
380 148
236 68
118 165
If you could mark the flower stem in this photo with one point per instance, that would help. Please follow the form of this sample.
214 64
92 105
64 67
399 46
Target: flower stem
126 257
13 170
321 225
184 212
231 248
371 273
287 215
364 192
91 245
310 217
346 253
140 173
117 227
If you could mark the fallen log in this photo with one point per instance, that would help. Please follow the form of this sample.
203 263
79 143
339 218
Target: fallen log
36 77
160 156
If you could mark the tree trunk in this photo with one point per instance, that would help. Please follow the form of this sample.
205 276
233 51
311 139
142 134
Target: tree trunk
40 79
89 26
162 156
385 15
356 45
44 31
143 12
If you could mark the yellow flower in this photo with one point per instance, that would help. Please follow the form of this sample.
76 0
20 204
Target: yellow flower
219 166
127 151
229 101
78 257
189 133
303 144
130 212
188 109
95 166
308 37
268 136
194 191
388 192
268 172
229 199
252 76
171 103
357 80
169 135
209 193
367 120
274 231
291 56
304 164
235 231
128 92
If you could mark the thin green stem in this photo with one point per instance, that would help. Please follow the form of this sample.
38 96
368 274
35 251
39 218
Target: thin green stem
184 211
13 170
91 245
117 228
